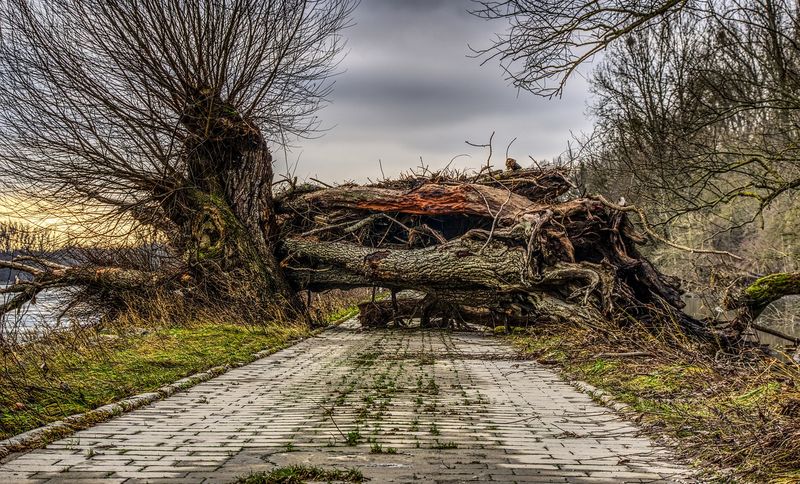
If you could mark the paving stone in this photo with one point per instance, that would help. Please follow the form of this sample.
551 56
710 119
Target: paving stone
442 406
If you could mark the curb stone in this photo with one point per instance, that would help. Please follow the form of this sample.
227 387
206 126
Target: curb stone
608 400
41 436
603 397
625 410
61 428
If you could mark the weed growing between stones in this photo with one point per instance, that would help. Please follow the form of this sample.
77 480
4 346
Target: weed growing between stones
299 474
353 437
444 445
376 448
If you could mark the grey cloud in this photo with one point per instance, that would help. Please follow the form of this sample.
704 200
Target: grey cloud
409 90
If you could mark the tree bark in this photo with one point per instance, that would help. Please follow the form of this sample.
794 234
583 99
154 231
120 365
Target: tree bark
225 213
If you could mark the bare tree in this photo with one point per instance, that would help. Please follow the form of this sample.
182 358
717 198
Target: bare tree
703 110
696 100
546 41
160 112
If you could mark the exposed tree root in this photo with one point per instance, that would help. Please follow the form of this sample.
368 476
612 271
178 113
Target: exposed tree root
484 243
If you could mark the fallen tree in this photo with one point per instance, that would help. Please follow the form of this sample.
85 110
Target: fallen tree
502 241
488 248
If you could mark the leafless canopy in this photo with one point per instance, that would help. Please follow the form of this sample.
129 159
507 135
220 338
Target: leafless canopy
101 99
703 109
547 40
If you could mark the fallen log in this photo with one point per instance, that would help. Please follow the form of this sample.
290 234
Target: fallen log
50 274
470 244
750 301
764 290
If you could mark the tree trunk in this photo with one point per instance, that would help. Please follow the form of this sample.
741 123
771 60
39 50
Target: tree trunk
225 214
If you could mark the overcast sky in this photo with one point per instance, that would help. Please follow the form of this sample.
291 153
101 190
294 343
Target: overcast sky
409 90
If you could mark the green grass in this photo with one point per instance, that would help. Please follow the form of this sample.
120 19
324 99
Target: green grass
299 474
353 437
444 445
343 313
77 378
376 448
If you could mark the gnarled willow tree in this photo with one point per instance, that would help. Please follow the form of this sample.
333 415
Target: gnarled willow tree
159 112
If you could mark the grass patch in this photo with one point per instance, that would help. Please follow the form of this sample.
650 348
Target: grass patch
77 377
377 448
299 474
341 314
739 415
444 445
353 437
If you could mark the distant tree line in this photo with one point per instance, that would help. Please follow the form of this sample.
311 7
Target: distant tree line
18 237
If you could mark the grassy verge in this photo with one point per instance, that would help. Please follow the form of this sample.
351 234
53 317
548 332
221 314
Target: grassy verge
76 378
342 314
737 416
81 369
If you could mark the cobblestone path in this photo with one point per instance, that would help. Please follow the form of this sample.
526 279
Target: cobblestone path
416 406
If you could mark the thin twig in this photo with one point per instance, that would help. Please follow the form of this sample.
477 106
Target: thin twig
508 147
322 183
494 222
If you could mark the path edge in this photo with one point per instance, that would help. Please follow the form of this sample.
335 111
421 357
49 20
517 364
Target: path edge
41 436
625 411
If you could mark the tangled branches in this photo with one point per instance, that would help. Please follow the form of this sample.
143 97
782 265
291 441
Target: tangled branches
503 241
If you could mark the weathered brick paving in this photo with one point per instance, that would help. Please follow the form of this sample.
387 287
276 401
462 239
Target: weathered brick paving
443 407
